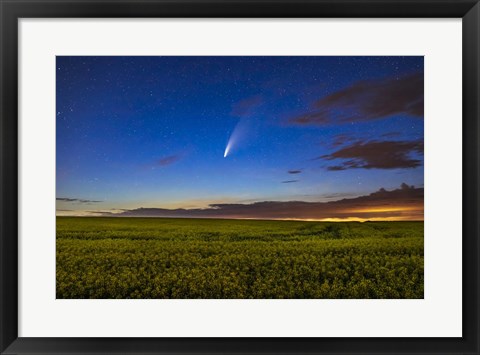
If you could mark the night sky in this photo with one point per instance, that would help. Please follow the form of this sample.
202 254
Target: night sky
240 137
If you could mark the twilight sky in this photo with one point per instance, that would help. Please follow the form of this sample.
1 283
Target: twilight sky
241 137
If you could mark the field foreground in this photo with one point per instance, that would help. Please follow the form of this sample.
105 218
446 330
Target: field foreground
201 258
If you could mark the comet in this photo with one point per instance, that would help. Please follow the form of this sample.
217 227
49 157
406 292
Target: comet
243 131
235 137
227 150
230 143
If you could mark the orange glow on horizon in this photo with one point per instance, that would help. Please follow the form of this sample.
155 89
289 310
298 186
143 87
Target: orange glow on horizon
373 219
386 209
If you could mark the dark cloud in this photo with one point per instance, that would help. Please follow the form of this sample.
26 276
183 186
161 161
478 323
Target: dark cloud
403 203
368 100
289 181
341 139
168 160
376 155
312 118
294 171
78 200
338 195
246 106
336 168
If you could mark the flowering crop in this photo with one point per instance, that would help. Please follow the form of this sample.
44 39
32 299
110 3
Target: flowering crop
202 258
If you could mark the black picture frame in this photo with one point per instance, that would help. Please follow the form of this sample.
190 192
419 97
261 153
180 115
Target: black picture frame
12 10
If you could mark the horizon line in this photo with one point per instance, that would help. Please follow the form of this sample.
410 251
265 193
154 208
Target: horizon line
332 220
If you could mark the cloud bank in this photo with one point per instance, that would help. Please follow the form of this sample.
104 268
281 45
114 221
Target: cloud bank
405 203
376 155
368 100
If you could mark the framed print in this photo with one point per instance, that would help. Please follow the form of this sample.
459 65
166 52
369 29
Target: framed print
257 177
